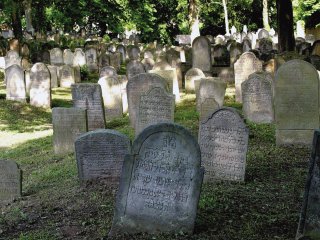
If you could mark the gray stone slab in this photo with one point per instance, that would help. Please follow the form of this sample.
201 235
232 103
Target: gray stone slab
108 71
160 183
68 57
12 58
201 54
134 67
66 76
92 59
192 75
79 57
56 57
15 85
54 75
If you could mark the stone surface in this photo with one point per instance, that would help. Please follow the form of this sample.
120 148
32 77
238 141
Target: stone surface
68 57
201 54
192 75
79 57
134 67
12 58
10 181
54 75
40 86
243 67
257 95
108 71
223 140
56 57
155 106
66 74
15 85
89 96
160 183
296 103
100 155
133 52
92 59
68 124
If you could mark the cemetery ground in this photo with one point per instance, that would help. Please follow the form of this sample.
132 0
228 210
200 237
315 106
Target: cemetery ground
55 206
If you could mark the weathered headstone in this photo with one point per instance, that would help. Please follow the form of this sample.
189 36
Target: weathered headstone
68 124
100 156
56 57
92 59
148 64
296 103
68 57
79 57
40 86
115 60
108 71
54 75
223 140
10 181
201 54
257 96
66 75
133 52
12 58
192 75
15 85
134 67
123 53
160 183
89 96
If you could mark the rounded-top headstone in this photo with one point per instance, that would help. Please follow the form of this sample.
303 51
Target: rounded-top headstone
191 75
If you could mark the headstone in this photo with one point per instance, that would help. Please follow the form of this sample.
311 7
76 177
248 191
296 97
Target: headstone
68 57
68 124
89 96
301 29
66 75
123 83
243 67
296 103
160 183
25 51
192 75
257 96
79 57
263 33
45 57
155 106
223 140
108 71
100 156
133 52
148 64
112 100
54 75
15 85
10 181
134 67
115 60
56 57
201 54
235 52
12 58
137 86
91 59
220 55
123 53
40 86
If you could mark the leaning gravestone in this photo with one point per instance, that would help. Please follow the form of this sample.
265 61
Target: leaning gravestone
10 181
155 106
15 85
223 140
243 67
296 103
100 156
309 224
137 86
201 54
40 86
257 95
66 74
160 183
56 57
68 124
89 96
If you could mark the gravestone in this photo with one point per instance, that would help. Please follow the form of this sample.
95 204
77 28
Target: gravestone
66 74
40 86
243 67
162 65
68 57
133 52
15 85
123 83
192 75
201 54
108 71
223 140
10 181
89 96
92 59
235 52
44 57
104 60
257 95
79 57
296 103
263 33
25 51
138 85
160 183
54 75
100 156
68 124
123 53
12 58
309 223
112 100
56 57
220 55
148 64
115 60
134 67
155 106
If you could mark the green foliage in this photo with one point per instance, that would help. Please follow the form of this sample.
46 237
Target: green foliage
307 10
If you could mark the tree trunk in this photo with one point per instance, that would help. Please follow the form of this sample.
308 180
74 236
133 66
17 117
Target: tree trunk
193 12
27 6
265 15
16 20
226 20
286 41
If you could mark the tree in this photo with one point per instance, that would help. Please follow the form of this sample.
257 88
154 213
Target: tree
265 15
226 20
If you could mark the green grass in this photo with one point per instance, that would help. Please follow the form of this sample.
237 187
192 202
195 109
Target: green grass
54 205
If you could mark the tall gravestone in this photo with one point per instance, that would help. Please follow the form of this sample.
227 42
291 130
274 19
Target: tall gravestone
100 156
243 67
223 140
40 86
68 57
201 54
15 85
54 75
12 58
160 183
66 75
92 59
56 57
137 86
257 96
89 96
296 103
155 106
10 181
68 124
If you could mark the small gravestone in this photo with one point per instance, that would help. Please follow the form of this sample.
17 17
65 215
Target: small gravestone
192 75
137 86
263 33
54 75
296 103
79 57
112 100
207 106
123 53
148 64
40 86
161 65
100 156
68 124
115 60
66 74
68 57
243 67
257 95
12 58
89 96
108 71
309 224
235 52
123 83
133 52
10 181
220 55
45 57
92 59
223 140
56 57
201 54
160 183
15 85
77 74
155 106
134 67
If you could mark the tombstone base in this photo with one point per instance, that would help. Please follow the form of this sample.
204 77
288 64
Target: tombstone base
294 137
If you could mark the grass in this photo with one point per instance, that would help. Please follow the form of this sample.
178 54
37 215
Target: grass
54 206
